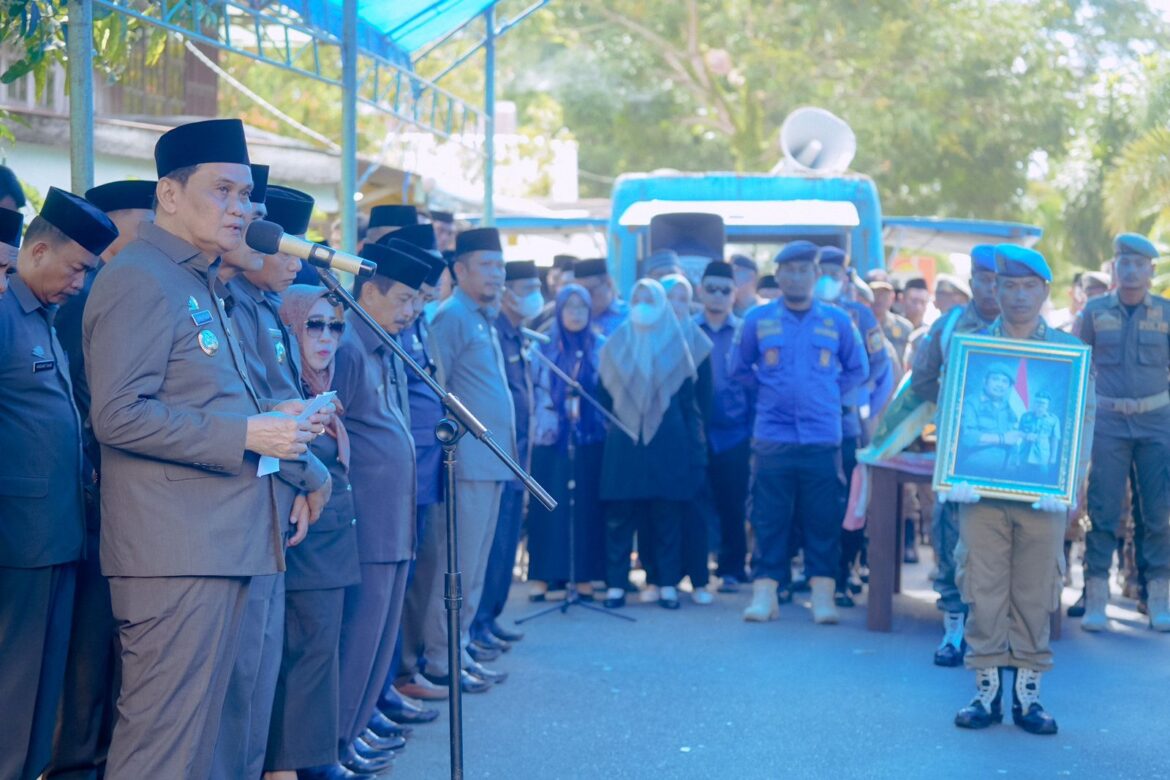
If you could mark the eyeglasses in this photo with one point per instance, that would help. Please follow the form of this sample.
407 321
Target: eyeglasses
712 290
336 327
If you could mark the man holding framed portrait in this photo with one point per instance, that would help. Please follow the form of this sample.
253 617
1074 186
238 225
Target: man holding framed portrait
997 415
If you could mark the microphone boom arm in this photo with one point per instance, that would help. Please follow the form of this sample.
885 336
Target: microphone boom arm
579 390
450 401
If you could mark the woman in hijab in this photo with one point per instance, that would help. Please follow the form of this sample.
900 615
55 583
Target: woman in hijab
303 733
695 537
649 375
562 418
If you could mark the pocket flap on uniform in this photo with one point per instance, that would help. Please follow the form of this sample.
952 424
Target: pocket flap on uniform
24 487
176 472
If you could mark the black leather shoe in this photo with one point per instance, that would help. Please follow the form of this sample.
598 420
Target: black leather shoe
729 584
354 762
668 603
499 632
491 675
1077 610
482 653
976 716
468 682
617 603
488 639
1035 721
387 727
377 744
404 713
331 772
949 655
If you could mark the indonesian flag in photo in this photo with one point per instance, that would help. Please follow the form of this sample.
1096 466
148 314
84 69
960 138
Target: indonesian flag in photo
1018 399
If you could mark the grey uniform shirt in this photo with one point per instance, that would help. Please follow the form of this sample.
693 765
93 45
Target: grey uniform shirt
170 400
371 386
273 361
931 353
466 349
42 512
1131 359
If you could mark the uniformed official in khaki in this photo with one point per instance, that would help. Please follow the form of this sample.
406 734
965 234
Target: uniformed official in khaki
1129 330
1010 556
42 515
186 521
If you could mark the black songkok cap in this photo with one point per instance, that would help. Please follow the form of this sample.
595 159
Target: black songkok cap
397 265
210 141
595 266
719 270
259 184
432 260
10 185
520 269
289 208
79 219
10 224
442 216
393 216
915 283
119 195
478 240
767 283
564 262
421 236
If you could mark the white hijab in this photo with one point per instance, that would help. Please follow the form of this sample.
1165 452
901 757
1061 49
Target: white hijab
645 362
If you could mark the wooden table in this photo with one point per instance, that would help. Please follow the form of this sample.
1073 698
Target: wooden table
887 542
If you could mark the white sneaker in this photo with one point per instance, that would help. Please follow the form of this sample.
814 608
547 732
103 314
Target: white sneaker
648 595
702 596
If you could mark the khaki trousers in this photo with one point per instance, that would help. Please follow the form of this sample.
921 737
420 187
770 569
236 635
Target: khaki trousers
1010 561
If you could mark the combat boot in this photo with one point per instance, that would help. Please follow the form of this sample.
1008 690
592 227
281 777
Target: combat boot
824 609
1096 598
987 706
1027 712
1158 602
764 606
951 651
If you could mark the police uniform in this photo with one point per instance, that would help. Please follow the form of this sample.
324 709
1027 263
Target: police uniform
272 358
94 668
171 398
42 535
1010 557
897 330
1131 356
925 380
802 364
371 385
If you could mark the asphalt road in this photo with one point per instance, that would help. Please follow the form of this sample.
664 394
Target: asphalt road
698 693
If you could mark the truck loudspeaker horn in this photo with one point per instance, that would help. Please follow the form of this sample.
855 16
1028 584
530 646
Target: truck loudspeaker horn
814 140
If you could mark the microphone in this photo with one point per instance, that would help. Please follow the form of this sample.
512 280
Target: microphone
535 336
269 238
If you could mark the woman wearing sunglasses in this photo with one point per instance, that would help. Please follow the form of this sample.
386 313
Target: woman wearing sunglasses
304 715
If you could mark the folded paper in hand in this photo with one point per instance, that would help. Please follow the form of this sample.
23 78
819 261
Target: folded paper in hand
270 465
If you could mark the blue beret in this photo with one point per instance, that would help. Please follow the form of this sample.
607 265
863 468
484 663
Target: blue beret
797 251
1134 244
1015 260
983 258
743 261
833 256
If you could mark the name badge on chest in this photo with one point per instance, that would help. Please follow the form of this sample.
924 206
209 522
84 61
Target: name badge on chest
41 360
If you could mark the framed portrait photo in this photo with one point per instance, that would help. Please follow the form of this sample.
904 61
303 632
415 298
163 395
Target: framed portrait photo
1011 417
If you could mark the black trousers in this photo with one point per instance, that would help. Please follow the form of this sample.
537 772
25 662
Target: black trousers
796 485
659 523
852 542
728 473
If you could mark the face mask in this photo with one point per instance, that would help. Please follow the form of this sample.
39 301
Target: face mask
429 310
530 305
644 314
827 289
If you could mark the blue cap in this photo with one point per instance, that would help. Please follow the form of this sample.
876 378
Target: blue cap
983 258
833 255
1134 244
797 251
1015 260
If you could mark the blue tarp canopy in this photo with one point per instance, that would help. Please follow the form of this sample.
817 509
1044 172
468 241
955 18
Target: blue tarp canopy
406 25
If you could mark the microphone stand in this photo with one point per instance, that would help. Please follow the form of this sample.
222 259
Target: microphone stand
448 432
576 387
573 412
